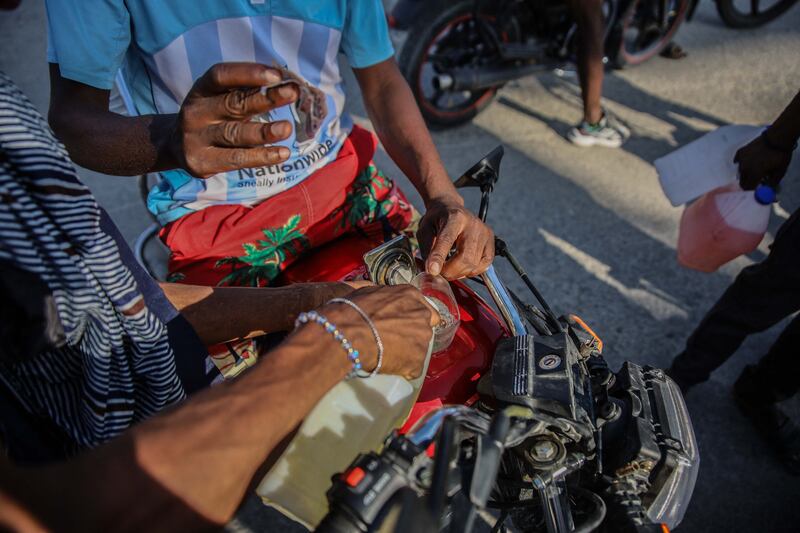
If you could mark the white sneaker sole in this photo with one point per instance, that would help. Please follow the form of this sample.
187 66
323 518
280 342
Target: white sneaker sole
586 141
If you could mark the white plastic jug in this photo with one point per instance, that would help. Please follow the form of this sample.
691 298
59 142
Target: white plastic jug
722 225
354 417
704 164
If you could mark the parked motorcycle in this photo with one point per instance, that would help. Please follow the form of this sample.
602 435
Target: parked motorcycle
520 415
458 53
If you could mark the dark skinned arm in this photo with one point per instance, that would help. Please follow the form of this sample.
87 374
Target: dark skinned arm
767 157
212 133
400 127
248 312
188 469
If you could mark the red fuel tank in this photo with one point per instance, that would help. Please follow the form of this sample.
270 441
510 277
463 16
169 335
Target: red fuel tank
453 373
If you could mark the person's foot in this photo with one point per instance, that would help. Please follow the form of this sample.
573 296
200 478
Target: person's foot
777 429
606 133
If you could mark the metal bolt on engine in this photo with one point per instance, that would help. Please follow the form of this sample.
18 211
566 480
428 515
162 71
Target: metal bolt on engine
544 450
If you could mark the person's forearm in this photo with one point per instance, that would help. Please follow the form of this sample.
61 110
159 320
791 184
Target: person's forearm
402 130
785 131
189 468
104 141
115 144
220 314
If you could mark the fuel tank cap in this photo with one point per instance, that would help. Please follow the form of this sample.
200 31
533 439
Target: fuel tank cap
392 263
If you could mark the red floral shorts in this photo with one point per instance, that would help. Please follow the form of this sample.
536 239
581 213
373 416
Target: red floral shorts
235 245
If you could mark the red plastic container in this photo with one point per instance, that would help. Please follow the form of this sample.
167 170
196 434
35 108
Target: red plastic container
722 225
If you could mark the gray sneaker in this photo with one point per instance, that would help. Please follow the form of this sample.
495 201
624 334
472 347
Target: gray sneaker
610 134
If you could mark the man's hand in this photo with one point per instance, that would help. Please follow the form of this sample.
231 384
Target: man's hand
759 162
394 113
214 132
448 223
403 319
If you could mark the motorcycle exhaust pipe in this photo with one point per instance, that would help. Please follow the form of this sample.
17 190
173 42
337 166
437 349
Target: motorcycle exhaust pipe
477 78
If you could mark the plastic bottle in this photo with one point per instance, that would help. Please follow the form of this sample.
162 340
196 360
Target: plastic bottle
722 225
704 164
354 417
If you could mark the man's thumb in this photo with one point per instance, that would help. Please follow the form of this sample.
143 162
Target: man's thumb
434 264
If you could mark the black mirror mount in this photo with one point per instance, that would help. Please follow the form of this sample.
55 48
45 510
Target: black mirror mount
483 174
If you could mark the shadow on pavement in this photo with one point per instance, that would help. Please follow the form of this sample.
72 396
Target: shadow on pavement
646 147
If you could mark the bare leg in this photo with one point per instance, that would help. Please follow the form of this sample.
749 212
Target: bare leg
588 16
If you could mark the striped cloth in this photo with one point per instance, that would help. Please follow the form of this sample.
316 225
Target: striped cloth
117 366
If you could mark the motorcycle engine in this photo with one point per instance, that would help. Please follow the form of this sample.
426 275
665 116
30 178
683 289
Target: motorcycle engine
599 451
603 448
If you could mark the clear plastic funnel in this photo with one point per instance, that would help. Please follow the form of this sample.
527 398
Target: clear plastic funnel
437 291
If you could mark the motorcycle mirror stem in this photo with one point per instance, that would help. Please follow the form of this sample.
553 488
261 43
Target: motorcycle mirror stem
483 174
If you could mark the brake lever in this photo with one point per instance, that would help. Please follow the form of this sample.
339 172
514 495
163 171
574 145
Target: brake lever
487 462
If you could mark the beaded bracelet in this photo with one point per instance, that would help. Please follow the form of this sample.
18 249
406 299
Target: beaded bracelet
372 328
352 354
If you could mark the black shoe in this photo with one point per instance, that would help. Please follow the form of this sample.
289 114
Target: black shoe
770 421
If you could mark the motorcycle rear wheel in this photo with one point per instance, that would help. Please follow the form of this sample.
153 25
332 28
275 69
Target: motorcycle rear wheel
442 109
637 37
734 17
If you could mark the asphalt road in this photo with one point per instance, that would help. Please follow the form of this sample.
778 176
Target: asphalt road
592 225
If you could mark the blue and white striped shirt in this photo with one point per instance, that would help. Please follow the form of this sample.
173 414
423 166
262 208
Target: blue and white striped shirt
117 366
163 47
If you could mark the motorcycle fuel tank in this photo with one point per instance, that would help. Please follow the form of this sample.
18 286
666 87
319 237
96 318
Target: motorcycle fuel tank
453 374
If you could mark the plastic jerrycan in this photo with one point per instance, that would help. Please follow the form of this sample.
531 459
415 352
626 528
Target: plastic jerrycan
722 225
354 417
704 164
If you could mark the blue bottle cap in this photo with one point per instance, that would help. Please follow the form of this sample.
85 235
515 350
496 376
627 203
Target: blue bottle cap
765 194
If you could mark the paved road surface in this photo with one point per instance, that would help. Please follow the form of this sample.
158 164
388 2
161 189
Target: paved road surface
592 225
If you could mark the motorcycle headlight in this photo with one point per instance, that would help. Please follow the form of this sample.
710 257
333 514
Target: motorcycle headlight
675 481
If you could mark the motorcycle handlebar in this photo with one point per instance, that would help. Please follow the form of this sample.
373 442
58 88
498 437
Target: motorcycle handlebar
504 302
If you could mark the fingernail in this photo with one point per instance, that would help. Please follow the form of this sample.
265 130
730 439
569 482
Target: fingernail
286 91
279 129
283 152
270 76
434 269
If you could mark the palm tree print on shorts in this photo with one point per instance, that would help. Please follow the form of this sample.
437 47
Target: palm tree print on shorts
362 205
262 260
